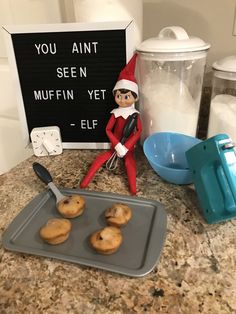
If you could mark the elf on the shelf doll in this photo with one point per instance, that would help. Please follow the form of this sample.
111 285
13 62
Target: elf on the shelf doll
126 94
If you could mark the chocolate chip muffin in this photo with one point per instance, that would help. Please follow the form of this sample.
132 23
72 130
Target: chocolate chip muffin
71 206
107 240
118 215
56 230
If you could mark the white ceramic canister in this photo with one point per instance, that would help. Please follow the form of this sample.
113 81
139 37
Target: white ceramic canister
222 118
170 70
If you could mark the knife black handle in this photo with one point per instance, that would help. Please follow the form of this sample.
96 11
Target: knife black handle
42 173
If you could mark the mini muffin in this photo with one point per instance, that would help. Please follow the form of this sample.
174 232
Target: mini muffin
56 230
71 206
118 215
107 240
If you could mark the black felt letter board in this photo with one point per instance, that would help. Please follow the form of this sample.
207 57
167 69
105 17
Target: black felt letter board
66 79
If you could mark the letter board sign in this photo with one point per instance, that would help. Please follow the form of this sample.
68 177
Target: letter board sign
65 74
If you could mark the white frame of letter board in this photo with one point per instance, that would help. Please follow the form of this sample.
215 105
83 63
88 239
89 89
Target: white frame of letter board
129 28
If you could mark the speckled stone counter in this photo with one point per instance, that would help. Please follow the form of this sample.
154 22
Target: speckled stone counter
195 274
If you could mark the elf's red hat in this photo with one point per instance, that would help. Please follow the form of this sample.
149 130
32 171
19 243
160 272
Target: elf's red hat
126 79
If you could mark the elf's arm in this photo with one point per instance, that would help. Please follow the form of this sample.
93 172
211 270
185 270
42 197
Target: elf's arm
109 131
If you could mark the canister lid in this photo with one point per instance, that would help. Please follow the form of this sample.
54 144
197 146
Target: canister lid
227 64
173 39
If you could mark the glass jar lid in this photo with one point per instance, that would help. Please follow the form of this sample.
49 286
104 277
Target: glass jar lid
225 68
227 64
173 39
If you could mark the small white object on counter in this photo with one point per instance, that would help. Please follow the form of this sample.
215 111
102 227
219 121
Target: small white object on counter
46 141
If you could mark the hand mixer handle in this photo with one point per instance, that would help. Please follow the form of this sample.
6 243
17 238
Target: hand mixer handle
128 129
229 202
129 126
42 173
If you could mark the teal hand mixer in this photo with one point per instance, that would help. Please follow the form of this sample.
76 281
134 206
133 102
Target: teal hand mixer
213 166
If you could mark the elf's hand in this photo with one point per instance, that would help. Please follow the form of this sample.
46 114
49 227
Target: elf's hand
121 150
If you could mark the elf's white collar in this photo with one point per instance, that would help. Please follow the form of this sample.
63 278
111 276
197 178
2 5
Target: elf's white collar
124 112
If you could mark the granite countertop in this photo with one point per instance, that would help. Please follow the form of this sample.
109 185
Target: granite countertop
196 272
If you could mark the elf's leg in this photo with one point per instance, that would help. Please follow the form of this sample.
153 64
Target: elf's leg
130 165
97 163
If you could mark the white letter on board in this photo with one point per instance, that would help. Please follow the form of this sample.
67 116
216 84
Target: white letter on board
103 93
83 124
37 47
59 72
90 94
95 123
75 48
83 72
94 43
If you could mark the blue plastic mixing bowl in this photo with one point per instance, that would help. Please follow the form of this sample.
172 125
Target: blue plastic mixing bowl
165 152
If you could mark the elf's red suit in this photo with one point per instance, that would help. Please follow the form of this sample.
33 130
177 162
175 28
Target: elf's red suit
126 94
114 130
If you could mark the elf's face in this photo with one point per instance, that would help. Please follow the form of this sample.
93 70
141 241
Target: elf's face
124 100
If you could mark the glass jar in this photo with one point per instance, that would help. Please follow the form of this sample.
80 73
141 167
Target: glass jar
222 118
170 71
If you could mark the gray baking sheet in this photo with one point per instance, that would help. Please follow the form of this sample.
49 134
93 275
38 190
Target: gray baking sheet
143 236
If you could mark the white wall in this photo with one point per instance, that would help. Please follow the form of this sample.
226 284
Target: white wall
211 20
27 12
12 150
